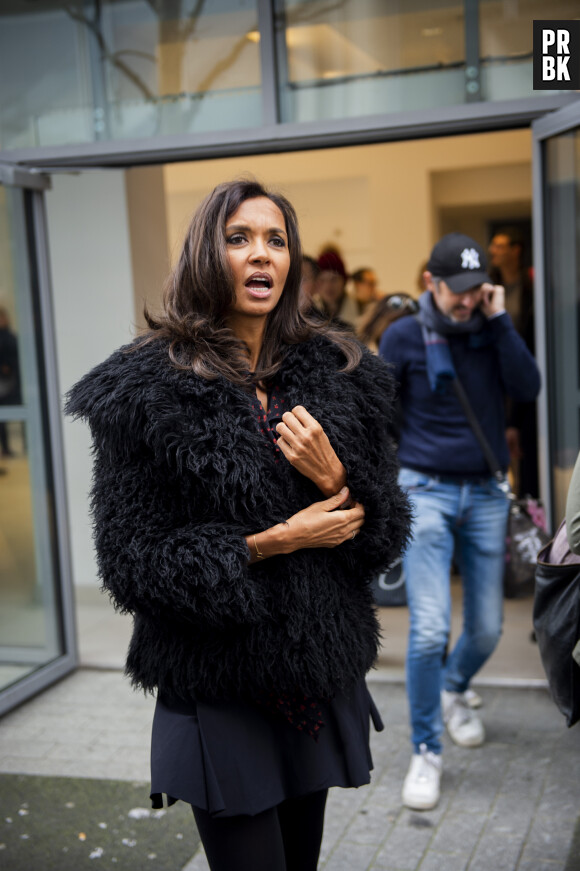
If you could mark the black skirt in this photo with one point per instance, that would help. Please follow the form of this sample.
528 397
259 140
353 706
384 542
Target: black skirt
232 758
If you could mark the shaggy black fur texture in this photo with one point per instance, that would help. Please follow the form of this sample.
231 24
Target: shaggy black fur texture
182 473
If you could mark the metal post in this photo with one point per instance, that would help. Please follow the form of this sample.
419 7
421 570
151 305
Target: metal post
472 71
54 424
540 308
270 102
101 122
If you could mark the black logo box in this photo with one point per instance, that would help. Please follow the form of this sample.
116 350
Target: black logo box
571 65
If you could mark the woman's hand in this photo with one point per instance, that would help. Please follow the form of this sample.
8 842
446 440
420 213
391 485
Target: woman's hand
306 446
325 524
322 524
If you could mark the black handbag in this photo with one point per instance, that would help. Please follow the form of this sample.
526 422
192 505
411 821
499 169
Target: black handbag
526 533
389 586
556 619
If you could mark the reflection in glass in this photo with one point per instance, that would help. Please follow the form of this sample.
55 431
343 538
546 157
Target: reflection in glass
562 210
30 633
364 56
506 43
357 38
78 71
10 382
26 640
21 623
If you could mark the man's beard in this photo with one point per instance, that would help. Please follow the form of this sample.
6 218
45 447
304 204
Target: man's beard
460 320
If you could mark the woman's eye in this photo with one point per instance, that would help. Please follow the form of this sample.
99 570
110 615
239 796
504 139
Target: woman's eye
278 241
235 239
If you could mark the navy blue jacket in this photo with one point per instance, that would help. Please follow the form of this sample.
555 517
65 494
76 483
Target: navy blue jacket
435 436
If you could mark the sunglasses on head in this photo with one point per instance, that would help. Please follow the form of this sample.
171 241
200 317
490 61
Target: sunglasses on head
398 301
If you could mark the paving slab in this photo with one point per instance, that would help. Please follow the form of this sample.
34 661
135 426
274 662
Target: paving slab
511 805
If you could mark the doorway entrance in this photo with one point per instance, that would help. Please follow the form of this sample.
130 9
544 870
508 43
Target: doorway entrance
113 232
382 205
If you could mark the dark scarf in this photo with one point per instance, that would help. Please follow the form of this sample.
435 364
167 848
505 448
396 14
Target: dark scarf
435 327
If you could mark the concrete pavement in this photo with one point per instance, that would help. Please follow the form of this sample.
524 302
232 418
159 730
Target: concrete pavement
511 805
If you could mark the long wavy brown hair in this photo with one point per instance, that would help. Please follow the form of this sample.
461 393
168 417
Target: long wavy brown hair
200 291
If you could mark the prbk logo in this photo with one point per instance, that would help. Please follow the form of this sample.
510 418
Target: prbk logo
556 55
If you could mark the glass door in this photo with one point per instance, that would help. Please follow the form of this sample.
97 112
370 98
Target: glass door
36 631
557 287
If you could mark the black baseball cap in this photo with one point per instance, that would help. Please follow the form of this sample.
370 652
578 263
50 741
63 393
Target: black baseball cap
460 261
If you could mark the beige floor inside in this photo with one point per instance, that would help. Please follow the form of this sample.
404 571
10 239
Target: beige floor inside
104 635
516 660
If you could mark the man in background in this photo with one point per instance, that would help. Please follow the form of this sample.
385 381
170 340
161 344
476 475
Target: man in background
462 333
506 262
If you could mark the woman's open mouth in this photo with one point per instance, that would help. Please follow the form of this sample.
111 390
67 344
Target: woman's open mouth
259 285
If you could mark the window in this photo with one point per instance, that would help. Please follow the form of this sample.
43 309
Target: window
76 72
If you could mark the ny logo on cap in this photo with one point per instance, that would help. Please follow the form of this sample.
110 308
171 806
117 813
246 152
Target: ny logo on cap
469 259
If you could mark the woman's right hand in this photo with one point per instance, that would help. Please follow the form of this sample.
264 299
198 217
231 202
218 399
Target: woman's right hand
324 524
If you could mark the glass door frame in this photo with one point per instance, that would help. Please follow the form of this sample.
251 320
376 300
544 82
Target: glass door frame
544 128
27 188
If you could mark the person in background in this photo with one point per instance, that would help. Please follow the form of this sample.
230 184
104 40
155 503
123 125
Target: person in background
462 332
10 387
379 315
331 295
508 268
310 272
365 286
245 493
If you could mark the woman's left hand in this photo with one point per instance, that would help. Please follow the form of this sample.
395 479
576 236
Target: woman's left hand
306 446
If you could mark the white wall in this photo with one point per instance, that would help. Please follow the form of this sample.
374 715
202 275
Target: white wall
381 204
147 226
93 312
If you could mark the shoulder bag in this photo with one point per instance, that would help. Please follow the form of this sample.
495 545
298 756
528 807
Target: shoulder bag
526 532
557 622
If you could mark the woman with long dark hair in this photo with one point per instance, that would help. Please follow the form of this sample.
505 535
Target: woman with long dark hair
381 315
244 494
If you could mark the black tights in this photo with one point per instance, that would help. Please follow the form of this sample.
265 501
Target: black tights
282 838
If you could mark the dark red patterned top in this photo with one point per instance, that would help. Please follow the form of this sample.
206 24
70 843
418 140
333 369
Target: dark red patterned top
267 420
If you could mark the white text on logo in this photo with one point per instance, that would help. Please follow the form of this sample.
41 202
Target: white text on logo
469 259
555 68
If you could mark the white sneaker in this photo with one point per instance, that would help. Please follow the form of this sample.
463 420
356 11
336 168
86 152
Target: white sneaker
463 725
421 789
472 699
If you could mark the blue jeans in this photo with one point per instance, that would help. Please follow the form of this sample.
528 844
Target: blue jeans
466 520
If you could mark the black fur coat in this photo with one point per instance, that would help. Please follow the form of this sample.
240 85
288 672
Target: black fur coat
182 474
